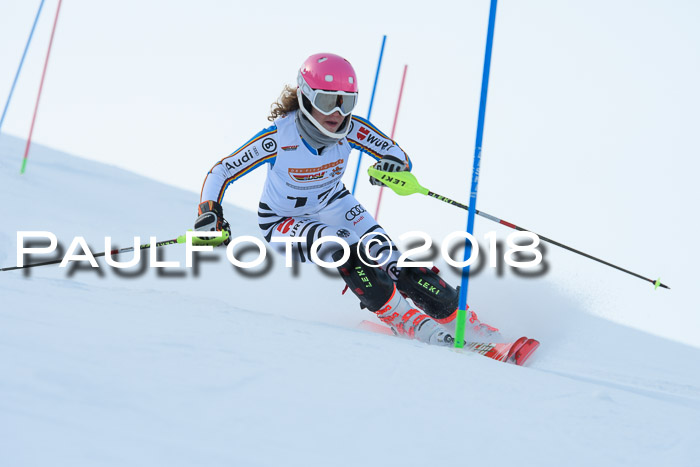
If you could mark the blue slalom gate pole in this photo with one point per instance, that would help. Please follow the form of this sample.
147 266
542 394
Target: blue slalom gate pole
462 310
369 114
21 62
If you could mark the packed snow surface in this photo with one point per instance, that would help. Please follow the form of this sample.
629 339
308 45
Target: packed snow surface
210 366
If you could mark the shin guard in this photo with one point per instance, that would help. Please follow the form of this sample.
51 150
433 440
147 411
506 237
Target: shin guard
429 292
371 285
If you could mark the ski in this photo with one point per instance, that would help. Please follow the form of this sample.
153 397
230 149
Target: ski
517 352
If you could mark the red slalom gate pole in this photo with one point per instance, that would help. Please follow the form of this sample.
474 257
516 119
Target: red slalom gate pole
393 128
41 86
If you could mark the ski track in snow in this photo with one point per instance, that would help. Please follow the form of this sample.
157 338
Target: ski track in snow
664 391
217 369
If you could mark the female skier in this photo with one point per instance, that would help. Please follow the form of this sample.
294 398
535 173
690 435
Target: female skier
307 151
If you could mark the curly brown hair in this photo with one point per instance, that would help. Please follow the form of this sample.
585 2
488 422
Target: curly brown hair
286 103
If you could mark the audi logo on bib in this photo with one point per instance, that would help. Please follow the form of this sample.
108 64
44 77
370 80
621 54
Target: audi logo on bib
354 212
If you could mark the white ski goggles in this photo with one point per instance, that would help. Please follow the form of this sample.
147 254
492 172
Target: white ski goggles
327 102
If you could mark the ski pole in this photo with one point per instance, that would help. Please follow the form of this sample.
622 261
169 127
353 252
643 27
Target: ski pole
181 239
405 183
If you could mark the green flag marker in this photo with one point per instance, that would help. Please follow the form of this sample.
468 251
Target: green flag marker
657 283
461 323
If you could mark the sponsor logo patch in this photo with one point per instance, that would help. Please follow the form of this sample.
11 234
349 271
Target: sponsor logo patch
343 233
316 173
285 226
354 212
269 145
238 161
289 148
362 133
382 144
297 226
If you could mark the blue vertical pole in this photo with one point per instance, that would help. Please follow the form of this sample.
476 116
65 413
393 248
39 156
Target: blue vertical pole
369 114
462 310
21 62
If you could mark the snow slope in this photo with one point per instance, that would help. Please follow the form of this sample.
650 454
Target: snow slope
216 368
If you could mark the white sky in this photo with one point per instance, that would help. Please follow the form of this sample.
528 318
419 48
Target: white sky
591 127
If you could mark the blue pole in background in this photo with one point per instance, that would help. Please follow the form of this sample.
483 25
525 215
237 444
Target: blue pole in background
462 310
21 62
369 114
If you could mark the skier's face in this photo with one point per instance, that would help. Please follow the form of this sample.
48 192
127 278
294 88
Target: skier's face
330 122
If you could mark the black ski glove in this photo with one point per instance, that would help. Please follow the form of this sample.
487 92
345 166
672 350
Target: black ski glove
388 164
211 218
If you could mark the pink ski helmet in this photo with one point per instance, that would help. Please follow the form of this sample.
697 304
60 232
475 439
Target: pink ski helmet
328 72
329 83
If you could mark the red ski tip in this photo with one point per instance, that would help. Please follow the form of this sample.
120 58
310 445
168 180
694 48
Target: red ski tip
523 352
514 347
375 327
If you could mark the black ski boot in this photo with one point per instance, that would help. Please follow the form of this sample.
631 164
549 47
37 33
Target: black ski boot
429 292
439 300
377 292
